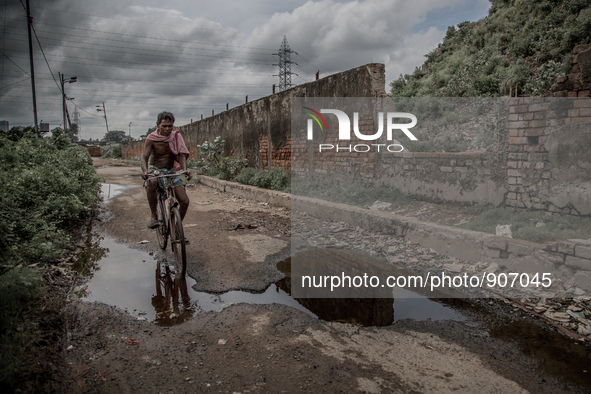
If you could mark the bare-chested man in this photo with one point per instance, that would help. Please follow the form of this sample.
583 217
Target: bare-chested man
169 153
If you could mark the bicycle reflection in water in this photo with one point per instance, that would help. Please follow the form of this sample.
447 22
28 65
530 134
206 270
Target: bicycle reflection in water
169 309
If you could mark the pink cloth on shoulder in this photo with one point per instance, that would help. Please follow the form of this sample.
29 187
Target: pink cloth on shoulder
175 141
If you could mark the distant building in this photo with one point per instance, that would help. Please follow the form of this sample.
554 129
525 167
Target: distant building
4 125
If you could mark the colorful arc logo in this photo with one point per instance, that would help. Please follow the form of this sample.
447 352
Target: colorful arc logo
316 116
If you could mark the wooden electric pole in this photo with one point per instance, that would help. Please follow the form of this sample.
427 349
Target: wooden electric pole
29 23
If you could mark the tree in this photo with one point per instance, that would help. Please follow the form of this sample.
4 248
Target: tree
73 133
114 136
143 136
127 139
17 132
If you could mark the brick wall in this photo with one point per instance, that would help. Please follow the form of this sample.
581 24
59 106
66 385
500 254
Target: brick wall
540 159
254 128
548 160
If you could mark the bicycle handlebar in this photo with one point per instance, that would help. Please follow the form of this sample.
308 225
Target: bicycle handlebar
152 175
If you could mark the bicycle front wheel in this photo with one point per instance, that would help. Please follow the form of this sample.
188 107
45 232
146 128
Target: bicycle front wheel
177 240
162 230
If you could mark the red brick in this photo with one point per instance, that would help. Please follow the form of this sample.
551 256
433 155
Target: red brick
533 132
528 115
583 103
537 123
583 93
586 119
571 94
515 117
518 125
517 140
538 107
518 108
516 133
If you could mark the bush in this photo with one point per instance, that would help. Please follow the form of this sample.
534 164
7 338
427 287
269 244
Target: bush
276 179
459 66
214 163
49 185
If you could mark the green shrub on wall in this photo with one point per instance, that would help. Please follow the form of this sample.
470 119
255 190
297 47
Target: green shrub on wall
213 162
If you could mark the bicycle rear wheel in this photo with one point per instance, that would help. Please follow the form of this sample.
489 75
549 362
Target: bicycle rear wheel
162 230
177 241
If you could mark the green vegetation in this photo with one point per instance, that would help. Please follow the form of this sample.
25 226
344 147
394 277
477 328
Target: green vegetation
529 41
278 178
18 289
214 163
352 192
49 188
443 121
49 185
533 226
115 152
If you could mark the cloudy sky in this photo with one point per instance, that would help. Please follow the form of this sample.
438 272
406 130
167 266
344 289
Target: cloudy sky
140 57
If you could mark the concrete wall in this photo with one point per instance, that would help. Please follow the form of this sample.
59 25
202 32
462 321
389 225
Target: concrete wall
260 130
539 161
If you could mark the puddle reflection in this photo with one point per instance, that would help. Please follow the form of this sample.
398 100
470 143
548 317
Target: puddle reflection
110 190
87 262
126 278
171 301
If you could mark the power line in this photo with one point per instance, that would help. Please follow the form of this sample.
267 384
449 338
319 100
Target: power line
317 68
190 69
151 51
44 57
103 80
22 80
19 67
150 38
123 20
134 43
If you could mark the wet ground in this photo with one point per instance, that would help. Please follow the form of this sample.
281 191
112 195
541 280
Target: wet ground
232 325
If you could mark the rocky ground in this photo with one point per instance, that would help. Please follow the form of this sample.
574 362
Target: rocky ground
236 244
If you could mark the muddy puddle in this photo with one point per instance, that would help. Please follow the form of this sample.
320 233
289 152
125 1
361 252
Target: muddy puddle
111 190
133 280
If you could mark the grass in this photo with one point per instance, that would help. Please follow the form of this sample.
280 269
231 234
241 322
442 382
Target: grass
276 179
352 192
533 226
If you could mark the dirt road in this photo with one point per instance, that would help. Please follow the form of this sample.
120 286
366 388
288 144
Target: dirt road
273 348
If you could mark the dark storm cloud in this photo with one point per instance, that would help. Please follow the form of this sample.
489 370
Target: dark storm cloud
140 57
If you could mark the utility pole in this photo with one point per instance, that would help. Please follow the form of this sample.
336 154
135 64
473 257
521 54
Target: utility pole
29 23
130 129
285 65
63 81
76 123
105 111
106 123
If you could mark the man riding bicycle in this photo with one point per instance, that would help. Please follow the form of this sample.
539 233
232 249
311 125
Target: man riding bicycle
168 153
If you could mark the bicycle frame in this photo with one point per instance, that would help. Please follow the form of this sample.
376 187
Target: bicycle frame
169 217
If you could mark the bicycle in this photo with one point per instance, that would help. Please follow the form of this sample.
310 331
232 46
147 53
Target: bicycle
170 222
